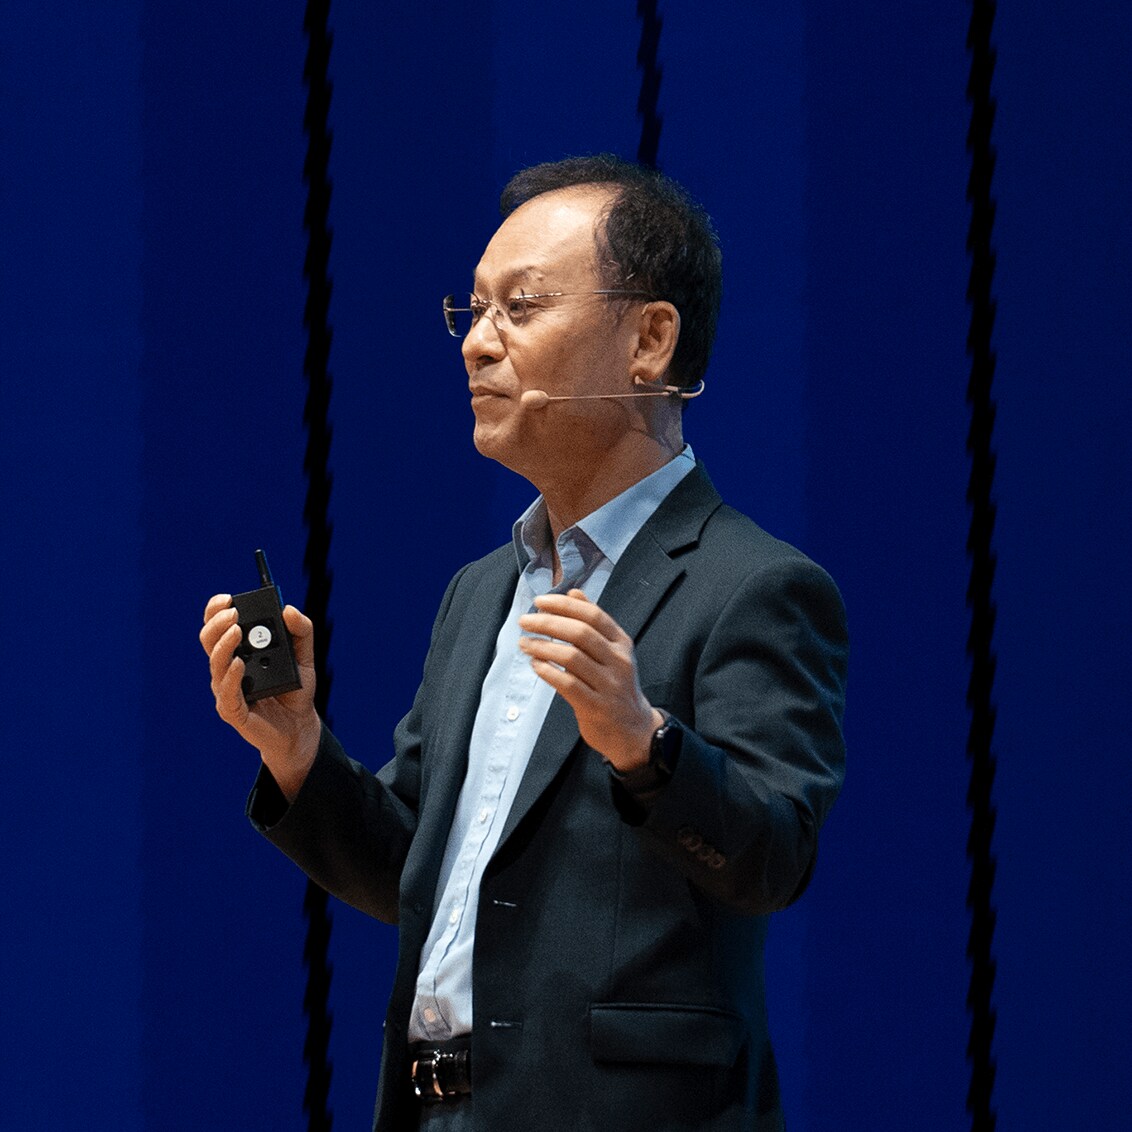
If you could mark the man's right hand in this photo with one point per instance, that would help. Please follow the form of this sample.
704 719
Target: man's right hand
285 729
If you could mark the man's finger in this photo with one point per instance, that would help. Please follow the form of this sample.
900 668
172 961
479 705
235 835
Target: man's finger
221 656
578 633
301 628
215 627
230 703
215 604
564 657
576 692
576 605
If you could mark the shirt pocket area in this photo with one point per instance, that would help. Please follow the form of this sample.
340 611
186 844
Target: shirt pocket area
665 1034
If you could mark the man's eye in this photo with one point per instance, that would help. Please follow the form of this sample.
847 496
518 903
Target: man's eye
479 309
519 307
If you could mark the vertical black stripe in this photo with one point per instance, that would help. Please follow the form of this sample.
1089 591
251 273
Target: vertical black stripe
980 602
650 83
316 513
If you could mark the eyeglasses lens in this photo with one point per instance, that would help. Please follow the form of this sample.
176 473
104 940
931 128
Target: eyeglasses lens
457 315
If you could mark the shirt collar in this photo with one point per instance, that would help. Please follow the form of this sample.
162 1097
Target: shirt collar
612 526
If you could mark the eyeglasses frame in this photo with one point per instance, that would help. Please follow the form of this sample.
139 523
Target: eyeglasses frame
500 314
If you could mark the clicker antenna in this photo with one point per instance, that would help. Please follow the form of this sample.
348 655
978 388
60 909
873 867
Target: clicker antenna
264 569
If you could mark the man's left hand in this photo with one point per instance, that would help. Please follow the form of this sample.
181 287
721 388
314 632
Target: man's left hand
589 660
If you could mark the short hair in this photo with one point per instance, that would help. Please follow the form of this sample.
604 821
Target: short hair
653 237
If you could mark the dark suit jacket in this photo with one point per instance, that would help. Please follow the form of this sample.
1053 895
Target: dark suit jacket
617 979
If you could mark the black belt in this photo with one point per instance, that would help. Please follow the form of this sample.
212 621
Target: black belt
442 1071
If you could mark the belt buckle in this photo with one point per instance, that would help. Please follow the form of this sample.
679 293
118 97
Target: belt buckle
427 1071
424 1069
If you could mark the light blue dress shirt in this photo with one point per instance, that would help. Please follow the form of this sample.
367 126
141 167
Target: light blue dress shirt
512 708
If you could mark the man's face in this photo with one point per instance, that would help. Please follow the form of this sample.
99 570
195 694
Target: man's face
563 346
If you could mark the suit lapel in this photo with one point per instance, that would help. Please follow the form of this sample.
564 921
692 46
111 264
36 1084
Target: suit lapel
479 615
641 578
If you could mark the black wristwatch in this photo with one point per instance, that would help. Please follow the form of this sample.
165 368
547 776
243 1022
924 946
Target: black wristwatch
664 749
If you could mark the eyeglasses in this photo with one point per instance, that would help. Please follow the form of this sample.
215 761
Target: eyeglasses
512 312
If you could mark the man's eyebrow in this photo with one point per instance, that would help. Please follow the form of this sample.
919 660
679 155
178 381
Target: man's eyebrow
528 274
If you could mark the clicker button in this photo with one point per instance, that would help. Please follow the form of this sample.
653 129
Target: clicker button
259 636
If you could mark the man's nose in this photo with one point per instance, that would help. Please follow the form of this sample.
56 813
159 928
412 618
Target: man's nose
482 341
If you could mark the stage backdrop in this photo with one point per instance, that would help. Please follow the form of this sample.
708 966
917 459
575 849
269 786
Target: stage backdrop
152 393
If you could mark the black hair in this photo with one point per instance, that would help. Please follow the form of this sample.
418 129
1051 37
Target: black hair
653 237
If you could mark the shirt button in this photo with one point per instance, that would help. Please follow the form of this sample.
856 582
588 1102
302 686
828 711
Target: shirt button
485 813
454 916
430 1015
512 713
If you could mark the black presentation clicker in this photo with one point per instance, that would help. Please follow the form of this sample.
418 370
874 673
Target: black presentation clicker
266 645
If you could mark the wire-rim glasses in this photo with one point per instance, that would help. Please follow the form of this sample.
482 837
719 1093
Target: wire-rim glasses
512 312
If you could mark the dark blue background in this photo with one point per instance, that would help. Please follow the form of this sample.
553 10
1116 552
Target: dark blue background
151 396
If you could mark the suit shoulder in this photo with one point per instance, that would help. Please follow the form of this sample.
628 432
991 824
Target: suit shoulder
706 535
740 545
737 562
739 567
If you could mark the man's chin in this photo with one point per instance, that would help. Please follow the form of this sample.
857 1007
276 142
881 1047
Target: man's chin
488 440
497 443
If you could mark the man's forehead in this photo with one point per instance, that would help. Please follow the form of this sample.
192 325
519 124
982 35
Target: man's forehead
552 232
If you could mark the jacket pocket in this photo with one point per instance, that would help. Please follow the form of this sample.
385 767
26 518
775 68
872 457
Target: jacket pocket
665 1034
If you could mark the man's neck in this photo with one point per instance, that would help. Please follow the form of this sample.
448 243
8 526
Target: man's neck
571 497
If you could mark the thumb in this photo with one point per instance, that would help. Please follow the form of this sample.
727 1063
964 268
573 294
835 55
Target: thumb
301 629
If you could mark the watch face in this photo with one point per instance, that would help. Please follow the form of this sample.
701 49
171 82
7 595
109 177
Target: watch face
666 746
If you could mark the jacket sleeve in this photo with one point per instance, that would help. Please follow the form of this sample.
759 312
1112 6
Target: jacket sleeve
762 756
349 829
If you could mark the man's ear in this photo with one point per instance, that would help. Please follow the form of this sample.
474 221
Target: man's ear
657 334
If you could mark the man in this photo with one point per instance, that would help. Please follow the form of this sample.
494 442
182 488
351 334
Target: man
628 728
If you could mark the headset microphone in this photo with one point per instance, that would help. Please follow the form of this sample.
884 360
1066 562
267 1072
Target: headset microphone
539 398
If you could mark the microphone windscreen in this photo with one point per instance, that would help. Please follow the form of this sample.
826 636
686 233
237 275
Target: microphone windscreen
535 399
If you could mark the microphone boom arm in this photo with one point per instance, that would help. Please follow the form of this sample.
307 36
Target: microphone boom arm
539 398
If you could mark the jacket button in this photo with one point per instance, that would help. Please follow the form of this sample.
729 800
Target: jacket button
689 838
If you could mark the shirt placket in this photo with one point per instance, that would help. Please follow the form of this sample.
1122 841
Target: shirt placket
520 686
